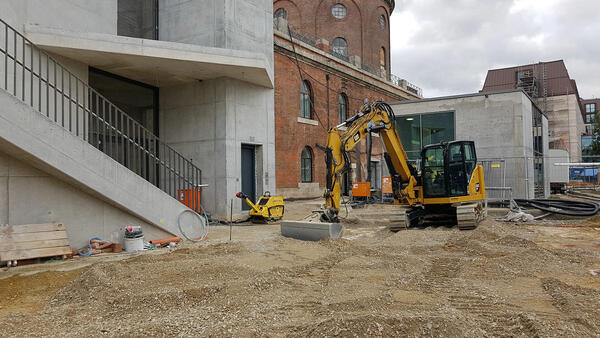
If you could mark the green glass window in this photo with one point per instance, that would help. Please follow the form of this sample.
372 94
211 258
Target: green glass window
437 128
418 131
409 130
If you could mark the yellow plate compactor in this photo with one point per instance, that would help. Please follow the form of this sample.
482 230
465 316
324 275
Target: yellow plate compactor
268 208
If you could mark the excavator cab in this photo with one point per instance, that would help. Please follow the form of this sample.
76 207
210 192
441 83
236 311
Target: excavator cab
447 168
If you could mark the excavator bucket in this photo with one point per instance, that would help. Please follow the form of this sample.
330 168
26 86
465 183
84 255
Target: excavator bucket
311 231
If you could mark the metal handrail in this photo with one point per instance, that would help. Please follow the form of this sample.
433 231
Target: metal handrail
37 79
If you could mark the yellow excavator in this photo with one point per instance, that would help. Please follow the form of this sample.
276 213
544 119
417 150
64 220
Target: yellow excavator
449 182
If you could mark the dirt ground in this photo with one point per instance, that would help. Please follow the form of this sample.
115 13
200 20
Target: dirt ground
539 279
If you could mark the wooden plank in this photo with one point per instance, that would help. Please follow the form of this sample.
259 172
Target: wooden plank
34 236
21 229
51 243
34 253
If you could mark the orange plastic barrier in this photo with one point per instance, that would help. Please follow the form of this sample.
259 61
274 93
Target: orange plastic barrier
361 189
386 185
190 197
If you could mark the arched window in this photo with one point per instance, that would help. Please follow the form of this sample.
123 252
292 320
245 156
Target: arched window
340 46
306 161
382 22
281 13
339 11
343 107
306 100
382 58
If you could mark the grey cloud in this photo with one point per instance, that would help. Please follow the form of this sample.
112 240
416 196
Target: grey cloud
456 42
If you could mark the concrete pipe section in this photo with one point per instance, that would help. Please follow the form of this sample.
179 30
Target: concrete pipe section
311 231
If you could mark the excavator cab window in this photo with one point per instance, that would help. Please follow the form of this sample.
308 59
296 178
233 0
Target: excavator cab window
447 168
434 172
457 170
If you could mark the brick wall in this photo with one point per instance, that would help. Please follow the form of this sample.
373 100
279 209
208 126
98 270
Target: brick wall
360 28
291 136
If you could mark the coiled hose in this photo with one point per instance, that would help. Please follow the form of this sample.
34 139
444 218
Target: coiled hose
559 207
203 225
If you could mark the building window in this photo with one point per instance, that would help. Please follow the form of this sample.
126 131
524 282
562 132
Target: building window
382 58
138 18
281 13
589 118
590 108
306 165
417 131
339 11
305 100
343 107
340 46
382 22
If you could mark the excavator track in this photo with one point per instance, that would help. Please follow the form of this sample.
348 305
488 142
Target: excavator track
469 215
405 217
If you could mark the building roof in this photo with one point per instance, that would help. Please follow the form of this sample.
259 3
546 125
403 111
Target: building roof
557 77
596 101
462 96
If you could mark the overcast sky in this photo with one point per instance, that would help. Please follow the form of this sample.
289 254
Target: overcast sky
447 46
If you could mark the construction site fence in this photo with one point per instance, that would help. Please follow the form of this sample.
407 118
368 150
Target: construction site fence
531 176
37 79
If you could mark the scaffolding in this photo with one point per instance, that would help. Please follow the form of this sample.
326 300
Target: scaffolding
527 81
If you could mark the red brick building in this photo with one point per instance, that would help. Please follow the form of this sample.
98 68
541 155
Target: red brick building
334 56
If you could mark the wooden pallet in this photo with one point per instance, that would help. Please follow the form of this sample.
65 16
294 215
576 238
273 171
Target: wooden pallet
18 242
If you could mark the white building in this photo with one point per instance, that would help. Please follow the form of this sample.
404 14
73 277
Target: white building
508 129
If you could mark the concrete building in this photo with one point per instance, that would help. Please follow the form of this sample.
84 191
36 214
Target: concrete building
113 110
508 128
330 56
551 87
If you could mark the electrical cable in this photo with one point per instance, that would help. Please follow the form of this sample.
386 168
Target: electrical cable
559 207
324 85
203 225
312 105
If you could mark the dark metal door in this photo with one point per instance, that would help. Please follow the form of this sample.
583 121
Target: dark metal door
248 174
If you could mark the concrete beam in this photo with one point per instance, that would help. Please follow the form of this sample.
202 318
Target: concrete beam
157 63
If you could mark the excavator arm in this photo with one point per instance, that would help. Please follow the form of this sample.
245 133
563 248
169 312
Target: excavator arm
376 117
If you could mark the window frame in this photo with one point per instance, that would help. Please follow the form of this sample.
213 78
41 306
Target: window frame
306 165
383 58
306 100
281 10
342 15
590 107
340 49
342 104
382 21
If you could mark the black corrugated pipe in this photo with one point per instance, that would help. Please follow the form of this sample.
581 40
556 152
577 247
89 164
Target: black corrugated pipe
560 207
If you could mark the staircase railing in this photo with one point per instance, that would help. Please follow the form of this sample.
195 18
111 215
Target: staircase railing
37 79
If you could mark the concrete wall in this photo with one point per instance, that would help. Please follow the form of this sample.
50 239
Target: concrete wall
232 24
208 122
98 16
29 195
500 125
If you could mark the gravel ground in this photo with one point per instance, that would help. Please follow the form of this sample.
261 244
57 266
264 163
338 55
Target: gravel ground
497 280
